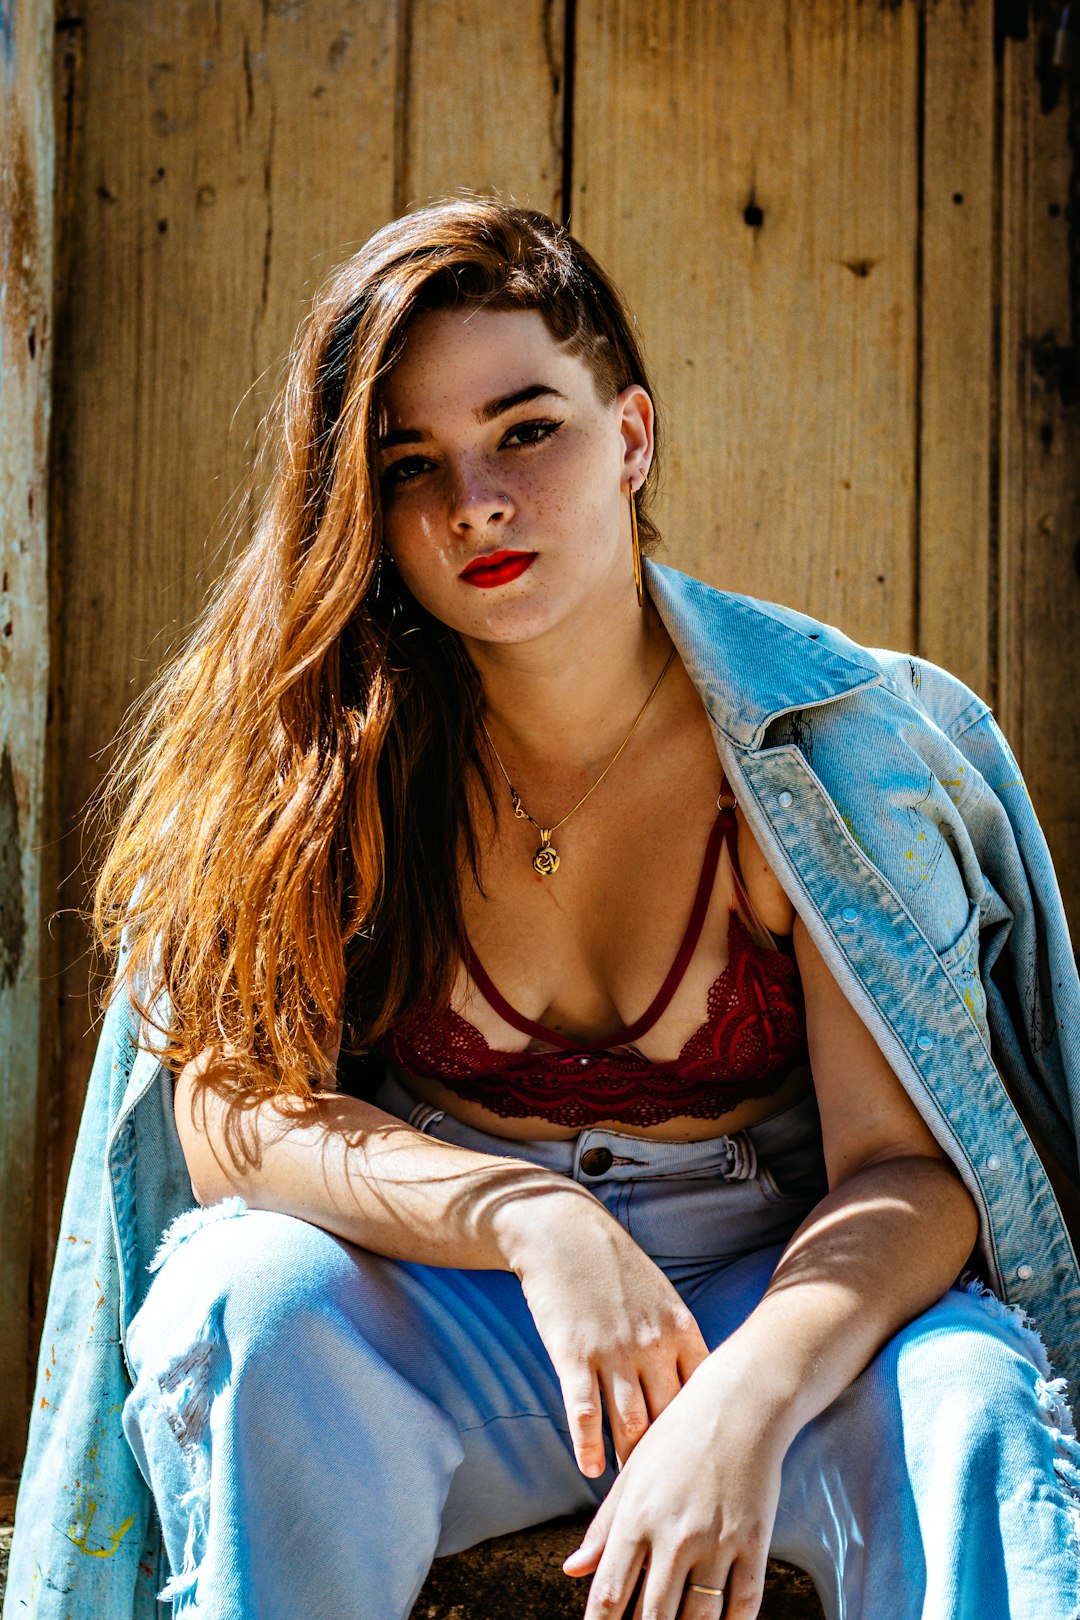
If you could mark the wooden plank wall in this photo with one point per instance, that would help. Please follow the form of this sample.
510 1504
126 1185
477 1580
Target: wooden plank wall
774 270
836 221
1037 448
26 345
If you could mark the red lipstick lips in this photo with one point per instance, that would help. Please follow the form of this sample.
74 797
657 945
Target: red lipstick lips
497 568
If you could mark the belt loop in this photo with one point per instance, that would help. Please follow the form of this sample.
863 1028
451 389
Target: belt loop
742 1163
424 1115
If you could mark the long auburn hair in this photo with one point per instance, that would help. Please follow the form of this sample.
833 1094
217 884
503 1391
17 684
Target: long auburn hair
287 811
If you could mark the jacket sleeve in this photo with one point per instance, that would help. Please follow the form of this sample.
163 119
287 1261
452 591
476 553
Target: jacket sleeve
1033 994
85 1537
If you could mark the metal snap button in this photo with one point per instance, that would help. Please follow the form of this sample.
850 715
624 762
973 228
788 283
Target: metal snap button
993 1162
1023 1272
784 799
594 1161
924 1042
849 914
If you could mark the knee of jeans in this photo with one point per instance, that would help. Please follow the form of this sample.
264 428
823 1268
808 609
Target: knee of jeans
256 1272
237 1292
970 1378
957 1359
961 1379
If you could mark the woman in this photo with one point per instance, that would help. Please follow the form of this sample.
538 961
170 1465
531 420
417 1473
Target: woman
660 910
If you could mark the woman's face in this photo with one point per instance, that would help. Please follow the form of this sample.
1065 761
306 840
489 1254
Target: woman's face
504 476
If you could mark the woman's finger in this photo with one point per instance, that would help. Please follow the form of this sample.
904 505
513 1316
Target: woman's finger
581 1397
586 1557
745 1584
661 1383
627 1410
613 1584
706 1591
691 1357
661 1590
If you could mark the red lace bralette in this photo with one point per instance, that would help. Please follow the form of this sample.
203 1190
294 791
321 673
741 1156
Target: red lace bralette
754 1030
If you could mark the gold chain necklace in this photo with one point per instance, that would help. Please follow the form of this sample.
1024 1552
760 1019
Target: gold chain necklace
546 858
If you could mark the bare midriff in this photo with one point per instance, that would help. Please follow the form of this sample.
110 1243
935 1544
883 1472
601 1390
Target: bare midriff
752 1111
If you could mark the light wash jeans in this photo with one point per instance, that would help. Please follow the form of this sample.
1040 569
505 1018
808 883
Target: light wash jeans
317 1423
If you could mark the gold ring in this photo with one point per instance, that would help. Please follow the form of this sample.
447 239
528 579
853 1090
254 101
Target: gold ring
710 1591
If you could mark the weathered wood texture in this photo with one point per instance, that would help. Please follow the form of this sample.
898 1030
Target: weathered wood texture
956 381
482 101
26 265
858 369
772 262
1038 602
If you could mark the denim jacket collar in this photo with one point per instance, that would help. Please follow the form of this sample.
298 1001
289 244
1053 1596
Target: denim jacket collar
750 662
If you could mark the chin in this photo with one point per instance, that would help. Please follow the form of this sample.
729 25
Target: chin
506 621
509 628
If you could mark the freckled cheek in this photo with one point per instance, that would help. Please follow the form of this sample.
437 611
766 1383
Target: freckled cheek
566 491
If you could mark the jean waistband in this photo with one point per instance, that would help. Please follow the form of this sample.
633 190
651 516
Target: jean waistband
595 1155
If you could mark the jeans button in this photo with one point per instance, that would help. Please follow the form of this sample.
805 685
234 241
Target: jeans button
594 1161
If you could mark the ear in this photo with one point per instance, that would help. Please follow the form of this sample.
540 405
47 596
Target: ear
636 426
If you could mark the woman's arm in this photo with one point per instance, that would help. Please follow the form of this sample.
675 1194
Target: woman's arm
891 1236
698 1497
614 1326
359 1172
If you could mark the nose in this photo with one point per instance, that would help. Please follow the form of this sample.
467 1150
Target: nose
477 506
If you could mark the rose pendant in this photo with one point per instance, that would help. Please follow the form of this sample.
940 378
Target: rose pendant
546 859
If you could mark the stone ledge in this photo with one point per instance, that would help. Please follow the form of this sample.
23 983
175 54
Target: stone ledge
520 1577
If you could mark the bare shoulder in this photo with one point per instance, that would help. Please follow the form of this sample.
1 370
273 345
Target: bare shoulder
766 895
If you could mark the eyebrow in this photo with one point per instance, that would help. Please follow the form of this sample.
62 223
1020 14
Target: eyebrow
486 413
521 396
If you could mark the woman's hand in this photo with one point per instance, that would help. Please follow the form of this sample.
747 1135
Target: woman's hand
613 1325
695 1505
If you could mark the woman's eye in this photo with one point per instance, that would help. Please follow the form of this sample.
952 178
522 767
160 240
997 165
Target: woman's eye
523 433
403 471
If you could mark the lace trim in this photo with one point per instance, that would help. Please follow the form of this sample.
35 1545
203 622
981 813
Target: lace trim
754 1030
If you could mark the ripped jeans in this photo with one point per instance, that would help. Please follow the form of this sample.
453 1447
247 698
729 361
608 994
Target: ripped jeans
318 1423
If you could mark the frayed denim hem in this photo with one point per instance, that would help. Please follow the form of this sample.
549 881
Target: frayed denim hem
190 1222
182 1589
1051 1395
185 1394
185 1388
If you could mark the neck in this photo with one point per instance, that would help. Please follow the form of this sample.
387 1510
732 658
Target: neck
569 695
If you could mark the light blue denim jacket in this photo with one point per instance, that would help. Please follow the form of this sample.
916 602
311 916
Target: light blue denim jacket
893 813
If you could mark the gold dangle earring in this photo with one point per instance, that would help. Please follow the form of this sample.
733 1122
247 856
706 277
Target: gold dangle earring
635 543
